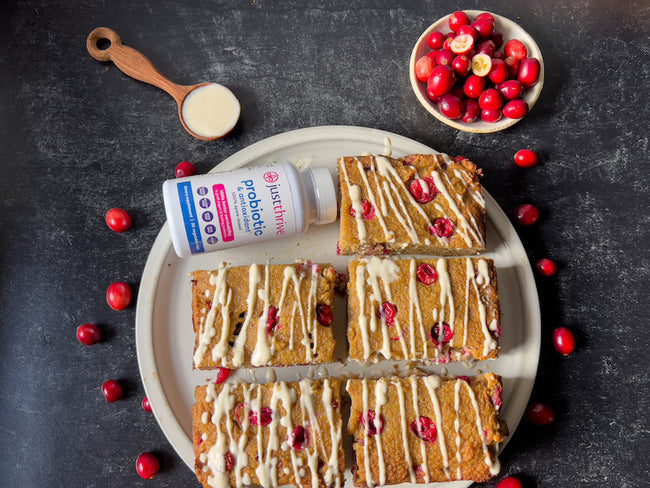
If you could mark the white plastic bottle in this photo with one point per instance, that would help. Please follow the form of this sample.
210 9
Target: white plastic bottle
249 205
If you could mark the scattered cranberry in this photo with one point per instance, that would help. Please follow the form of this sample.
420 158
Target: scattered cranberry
118 295
427 274
425 429
324 314
528 73
118 220
423 190
147 465
423 68
441 335
272 319
509 482
458 19
435 40
185 168
442 228
526 214
89 334
516 49
372 425
146 404
526 158
451 106
546 267
564 341
299 438
540 414
265 417
387 313
222 375
515 109
112 391
490 99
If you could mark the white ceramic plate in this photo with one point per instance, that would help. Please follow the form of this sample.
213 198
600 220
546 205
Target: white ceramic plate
510 30
164 335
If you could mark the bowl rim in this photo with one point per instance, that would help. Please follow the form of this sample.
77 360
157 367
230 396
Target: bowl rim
480 127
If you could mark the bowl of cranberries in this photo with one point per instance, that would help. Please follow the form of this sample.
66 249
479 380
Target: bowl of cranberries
476 71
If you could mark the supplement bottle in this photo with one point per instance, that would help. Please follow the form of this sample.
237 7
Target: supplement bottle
246 206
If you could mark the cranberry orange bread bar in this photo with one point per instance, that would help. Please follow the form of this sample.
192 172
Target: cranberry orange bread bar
433 310
420 204
263 315
269 435
423 429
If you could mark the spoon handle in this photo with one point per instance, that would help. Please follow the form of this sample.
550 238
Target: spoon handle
131 62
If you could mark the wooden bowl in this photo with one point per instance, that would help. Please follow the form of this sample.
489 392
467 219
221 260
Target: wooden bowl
509 30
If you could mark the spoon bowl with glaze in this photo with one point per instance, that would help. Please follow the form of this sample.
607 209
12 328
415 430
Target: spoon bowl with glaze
208 111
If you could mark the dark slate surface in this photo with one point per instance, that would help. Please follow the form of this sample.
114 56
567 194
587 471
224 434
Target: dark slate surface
77 137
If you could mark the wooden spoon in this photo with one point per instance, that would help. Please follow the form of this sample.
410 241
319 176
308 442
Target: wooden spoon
212 110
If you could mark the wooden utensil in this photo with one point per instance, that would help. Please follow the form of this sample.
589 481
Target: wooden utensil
136 65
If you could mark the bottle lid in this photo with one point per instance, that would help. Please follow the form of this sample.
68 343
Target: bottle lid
326 209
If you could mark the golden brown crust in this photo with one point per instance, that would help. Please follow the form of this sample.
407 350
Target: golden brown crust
402 449
398 221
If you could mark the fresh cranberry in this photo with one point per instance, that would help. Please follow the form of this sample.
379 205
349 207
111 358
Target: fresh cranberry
499 71
498 54
426 274
516 49
486 47
299 438
513 66
442 228
324 314
564 340
515 109
526 214
222 375
185 168
387 312
528 73
462 44
442 80
265 416
425 429
509 482
89 334
466 29
450 36
372 425
490 99
423 190
451 106
526 158
472 111
496 398
433 54
485 15
435 40
112 391
510 89
540 414
118 220
458 19
474 86
146 404
444 57
481 64
484 28
118 295
272 319
462 65
229 460
491 116
546 267
147 465
423 68
441 335
367 210
497 39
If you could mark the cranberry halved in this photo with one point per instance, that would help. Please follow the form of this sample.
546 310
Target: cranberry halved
230 460
272 319
441 335
496 399
387 313
324 314
372 424
299 438
427 274
442 228
367 210
423 189
265 416
425 429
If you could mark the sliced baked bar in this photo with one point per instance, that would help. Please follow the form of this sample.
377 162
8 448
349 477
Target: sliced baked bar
419 204
423 429
432 310
269 435
262 315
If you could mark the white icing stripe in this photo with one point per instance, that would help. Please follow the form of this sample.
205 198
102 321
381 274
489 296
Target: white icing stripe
416 410
459 459
381 398
494 465
253 282
402 414
372 200
354 191
366 453
262 352
432 383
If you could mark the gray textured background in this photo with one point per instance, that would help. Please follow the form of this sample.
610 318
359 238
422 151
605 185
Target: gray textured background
78 137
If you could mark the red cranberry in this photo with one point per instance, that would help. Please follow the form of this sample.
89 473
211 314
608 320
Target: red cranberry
528 73
510 89
515 109
496 398
299 438
498 54
499 71
425 429
490 99
462 65
466 29
89 334
486 47
387 312
222 375
185 168
464 378
564 341
444 57
423 68
485 15
146 404
516 49
442 80
147 465
472 111
324 314
497 39
426 274
265 416
458 19
540 414
435 40
118 220
367 210
546 267
112 391
509 482
491 116
484 28
526 214
118 295
451 106
423 190
442 228
441 335
372 425
229 460
272 319
474 86
513 66
526 158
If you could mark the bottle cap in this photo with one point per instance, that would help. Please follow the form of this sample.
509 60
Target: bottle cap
326 209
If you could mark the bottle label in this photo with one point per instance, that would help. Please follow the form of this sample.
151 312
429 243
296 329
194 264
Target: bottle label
236 208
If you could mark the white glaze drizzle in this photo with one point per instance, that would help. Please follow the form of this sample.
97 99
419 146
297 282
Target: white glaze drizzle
488 341
381 398
262 352
405 444
493 465
459 459
366 453
433 383
253 282
416 410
